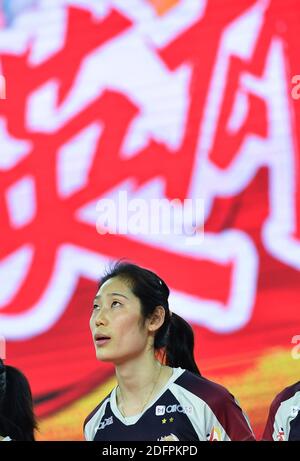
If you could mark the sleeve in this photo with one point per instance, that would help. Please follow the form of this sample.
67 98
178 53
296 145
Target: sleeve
93 420
89 426
226 421
274 426
86 435
87 432
269 429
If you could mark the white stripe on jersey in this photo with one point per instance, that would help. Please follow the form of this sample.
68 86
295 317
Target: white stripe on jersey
92 425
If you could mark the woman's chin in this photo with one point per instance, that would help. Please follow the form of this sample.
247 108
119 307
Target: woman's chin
104 356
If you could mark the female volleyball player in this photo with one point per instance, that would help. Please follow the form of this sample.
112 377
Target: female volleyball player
17 420
155 399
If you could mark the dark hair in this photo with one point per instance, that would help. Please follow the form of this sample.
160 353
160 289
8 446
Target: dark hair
175 336
17 418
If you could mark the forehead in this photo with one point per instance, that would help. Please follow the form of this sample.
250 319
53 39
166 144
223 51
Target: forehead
114 285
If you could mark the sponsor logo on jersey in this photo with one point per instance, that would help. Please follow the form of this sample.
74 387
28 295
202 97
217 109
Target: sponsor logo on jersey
214 435
160 410
105 423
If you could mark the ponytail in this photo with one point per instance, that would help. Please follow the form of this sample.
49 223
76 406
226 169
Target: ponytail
180 345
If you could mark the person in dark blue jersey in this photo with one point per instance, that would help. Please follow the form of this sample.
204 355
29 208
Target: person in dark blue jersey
157 397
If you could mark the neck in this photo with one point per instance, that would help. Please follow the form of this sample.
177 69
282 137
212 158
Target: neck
135 377
139 381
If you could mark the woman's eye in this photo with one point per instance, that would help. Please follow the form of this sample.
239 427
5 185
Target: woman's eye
96 307
115 302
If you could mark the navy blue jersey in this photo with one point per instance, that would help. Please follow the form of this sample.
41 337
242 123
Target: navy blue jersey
188 408
284 416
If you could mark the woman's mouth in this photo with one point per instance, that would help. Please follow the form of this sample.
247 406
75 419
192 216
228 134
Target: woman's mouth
101 340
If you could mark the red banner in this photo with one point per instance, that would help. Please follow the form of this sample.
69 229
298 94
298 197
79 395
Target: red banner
186 100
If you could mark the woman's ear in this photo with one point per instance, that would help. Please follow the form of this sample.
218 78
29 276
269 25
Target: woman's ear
157 319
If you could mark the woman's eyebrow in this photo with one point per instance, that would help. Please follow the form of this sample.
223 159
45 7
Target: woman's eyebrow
111 294
118 294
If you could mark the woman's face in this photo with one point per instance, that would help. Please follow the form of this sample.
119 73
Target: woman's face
117 316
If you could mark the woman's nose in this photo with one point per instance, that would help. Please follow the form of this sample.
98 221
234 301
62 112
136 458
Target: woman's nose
101 318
